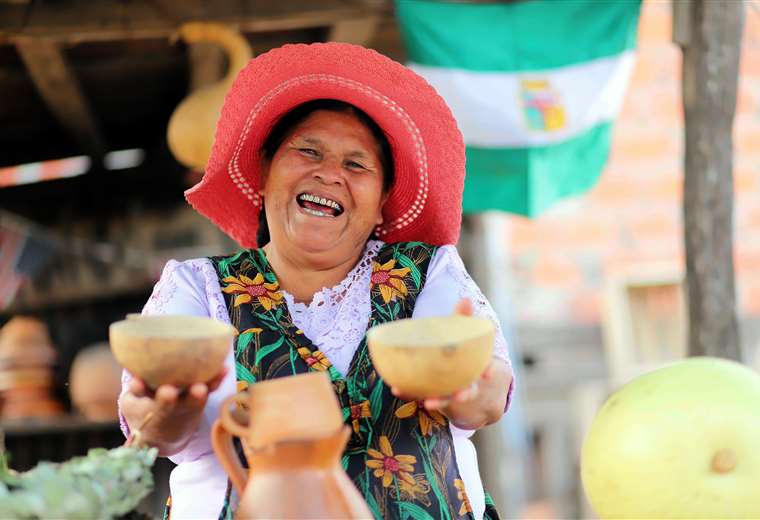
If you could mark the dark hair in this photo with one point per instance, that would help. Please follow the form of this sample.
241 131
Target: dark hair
301 112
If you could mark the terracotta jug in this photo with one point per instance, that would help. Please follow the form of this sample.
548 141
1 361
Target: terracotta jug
293 437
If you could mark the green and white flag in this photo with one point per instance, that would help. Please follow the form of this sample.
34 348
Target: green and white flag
535 86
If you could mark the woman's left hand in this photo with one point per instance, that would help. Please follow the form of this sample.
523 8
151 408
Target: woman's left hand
481 403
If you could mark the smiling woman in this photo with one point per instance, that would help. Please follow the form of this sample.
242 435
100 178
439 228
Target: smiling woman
341 173
323 190
367 158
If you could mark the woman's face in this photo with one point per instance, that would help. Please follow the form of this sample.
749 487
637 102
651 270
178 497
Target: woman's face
323 189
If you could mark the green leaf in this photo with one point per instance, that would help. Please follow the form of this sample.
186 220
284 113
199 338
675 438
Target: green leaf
376 399
103 484
413 270
268 349
413 511
242 344
243 374
373 507
224 263
293 358
443 505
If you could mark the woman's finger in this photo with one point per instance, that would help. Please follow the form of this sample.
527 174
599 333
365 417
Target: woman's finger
463 307
488 372
467 394
167 395
436 403
197 394
138 388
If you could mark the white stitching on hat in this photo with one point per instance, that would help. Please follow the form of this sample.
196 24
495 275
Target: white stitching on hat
233 168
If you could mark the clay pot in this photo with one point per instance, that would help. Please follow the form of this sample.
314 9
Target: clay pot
38 406
21 378
432 357
95 383
25 342
193 123
26 377
293 443
175 350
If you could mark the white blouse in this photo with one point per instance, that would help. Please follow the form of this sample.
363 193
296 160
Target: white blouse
335 321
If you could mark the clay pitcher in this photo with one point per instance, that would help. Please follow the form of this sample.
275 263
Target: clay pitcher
293 437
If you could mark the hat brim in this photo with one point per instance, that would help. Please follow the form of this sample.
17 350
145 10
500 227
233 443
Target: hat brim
428 152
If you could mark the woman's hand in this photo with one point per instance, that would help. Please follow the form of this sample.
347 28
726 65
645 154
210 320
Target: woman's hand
480 404
176 413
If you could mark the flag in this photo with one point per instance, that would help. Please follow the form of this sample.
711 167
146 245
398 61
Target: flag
22 256
11 243
534 85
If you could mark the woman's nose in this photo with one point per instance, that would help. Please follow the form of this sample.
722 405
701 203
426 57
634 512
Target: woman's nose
329 172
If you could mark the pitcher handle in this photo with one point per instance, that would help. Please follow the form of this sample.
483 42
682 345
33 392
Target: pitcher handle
221 440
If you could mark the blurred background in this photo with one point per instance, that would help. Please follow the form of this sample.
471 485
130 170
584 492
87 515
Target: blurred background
574 207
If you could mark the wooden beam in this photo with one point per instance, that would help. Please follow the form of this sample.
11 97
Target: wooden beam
113 20
60 91
358 30
710 80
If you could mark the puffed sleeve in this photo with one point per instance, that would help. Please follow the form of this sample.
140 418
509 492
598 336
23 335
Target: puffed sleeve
448 282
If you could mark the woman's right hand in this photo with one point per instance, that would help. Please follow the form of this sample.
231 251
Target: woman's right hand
176 413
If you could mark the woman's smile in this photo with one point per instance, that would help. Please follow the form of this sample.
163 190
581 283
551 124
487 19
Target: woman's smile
319 206
324 186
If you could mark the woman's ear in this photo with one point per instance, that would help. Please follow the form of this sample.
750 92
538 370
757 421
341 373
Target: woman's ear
266 164
383 200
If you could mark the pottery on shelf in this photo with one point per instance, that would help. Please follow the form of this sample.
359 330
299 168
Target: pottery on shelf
27 357
25 342
95 383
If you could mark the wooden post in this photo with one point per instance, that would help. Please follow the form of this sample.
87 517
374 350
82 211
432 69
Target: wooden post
710 74
503 453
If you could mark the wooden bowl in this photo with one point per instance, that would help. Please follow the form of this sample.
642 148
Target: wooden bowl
175 350
432 357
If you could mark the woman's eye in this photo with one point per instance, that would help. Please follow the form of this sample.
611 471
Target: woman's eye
355 165
309 151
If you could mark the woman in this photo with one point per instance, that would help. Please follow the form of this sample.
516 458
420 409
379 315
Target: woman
342 172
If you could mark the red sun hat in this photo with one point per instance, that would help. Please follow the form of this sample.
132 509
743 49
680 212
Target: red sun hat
425 202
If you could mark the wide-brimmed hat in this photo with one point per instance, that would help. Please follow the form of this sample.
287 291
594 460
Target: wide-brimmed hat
425 201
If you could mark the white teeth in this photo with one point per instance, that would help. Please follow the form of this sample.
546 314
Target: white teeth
322 201
316 213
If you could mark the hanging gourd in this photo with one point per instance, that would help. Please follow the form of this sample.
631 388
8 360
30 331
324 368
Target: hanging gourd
193 123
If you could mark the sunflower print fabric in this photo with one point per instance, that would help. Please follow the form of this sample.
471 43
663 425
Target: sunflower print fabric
400 456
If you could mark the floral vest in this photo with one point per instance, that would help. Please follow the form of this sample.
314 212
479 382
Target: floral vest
400 456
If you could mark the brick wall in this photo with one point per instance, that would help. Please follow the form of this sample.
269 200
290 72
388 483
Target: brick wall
633 216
